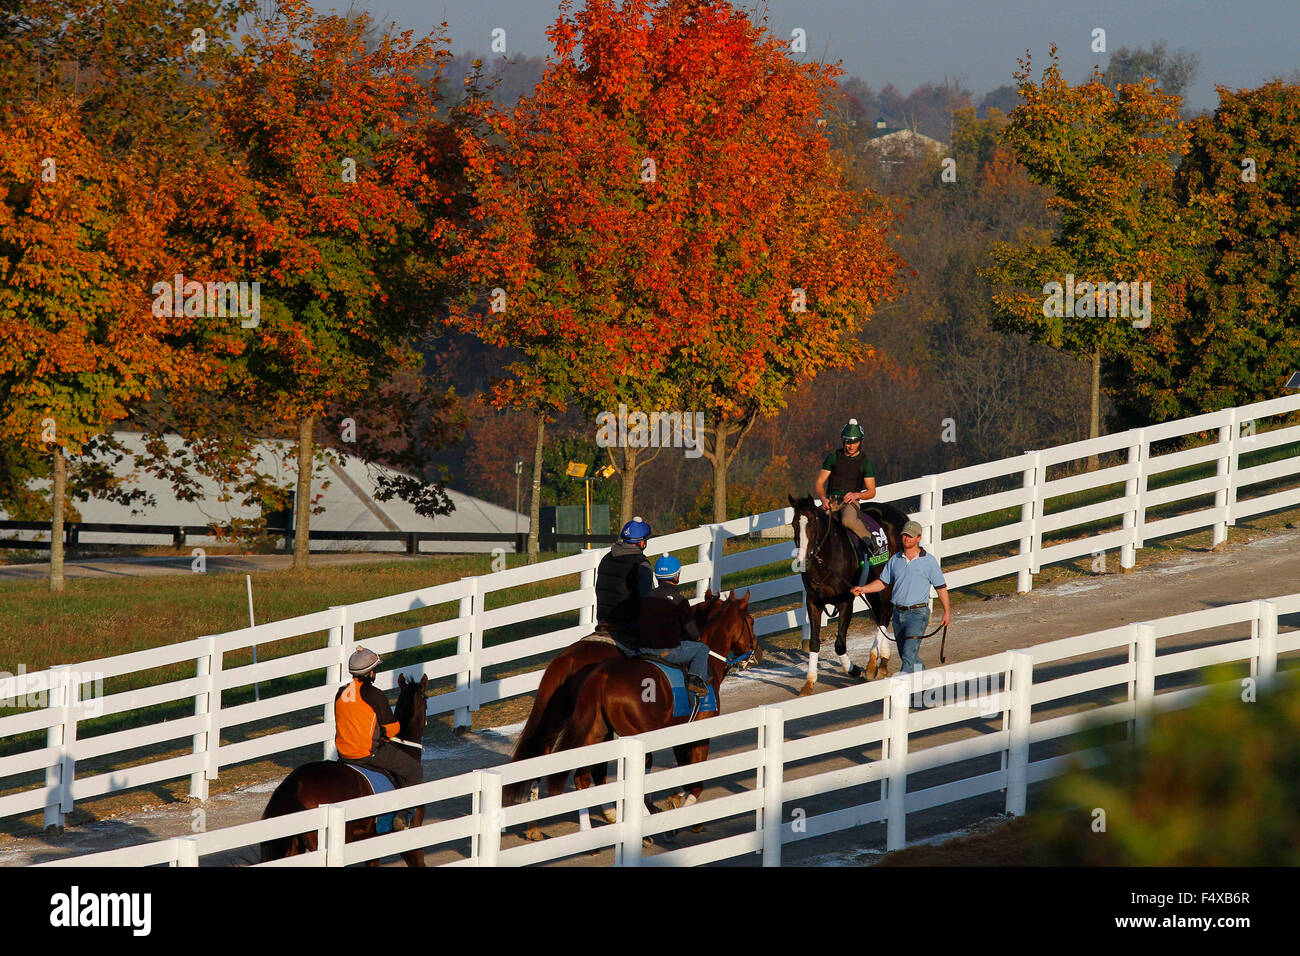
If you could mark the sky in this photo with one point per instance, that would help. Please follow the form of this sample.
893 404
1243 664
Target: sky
1241 43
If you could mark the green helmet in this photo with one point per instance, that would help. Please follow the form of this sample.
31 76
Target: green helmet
852 431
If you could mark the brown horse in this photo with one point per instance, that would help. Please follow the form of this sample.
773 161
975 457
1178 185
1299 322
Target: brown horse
558 692
329 781
613 699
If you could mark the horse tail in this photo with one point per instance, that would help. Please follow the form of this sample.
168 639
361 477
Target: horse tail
578 729
544 724
283 801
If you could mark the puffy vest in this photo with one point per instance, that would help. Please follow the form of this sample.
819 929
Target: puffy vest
618 600
847 473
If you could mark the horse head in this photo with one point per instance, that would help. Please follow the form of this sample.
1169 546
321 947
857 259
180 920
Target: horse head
733 633
410 710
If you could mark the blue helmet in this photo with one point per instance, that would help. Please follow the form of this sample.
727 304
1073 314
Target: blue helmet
635 531
667 567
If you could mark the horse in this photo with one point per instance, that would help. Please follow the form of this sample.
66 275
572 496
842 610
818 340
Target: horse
830 568
613 700
329 781
558 692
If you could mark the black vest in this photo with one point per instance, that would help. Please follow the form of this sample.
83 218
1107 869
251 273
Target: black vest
846 476
618 600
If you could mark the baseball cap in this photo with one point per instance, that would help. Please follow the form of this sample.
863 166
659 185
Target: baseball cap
912 528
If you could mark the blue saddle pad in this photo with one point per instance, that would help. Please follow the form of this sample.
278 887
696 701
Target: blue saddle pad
683 699
379 783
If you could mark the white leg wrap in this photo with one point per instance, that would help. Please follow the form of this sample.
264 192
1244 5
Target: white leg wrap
812 666
534 793
690 798
846 663
584 819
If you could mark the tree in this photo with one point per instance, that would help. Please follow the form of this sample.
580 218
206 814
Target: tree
665 223
1241 338
1172 73
335 204
97 137
1107 155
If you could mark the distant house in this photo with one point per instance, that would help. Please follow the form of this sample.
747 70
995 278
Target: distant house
349 502
898 145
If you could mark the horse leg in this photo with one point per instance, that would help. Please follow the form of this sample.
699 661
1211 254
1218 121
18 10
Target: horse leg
814 613
841 641
415 857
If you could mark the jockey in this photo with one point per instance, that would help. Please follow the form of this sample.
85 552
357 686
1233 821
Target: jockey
847 476
623 577
668 629
363 724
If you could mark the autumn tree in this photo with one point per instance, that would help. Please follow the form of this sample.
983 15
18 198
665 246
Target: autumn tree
665 226
1241 338
97 130
341 180
1107 155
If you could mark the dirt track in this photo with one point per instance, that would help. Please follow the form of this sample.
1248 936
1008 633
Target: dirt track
1252 565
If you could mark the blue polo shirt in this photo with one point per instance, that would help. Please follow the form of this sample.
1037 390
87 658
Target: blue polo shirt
912 579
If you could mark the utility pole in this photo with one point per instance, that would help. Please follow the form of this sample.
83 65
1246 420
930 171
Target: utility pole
519 471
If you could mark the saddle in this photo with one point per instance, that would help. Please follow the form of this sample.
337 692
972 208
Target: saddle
870 551
684 702
379 781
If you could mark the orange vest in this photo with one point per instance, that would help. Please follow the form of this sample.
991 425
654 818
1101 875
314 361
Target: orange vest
356 726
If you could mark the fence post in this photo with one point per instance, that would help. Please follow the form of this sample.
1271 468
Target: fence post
58 776
489 821
716 551
1022 679
207 704
1144 636
1264 665
340 637
1128 550
336 832
1140 522
631 811
185 851
1028 513
1224 469
773 778
935 524
1036 522
702 556
900 700
587 584
469 643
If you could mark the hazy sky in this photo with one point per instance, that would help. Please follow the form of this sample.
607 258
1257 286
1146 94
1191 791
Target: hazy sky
1241 43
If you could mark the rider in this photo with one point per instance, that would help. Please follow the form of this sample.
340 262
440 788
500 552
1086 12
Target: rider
668 629
364 725
623 577
851 479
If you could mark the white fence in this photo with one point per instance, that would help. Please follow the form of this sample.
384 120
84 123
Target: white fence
65 708
753 818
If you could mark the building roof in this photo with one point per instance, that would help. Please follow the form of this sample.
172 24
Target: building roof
349 502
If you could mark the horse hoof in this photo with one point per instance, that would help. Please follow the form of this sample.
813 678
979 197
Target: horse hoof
674 801
533 834
611 816
647 841
698 828
806 689
855 672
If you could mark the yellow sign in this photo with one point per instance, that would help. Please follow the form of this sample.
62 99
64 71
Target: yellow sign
576 470
606 472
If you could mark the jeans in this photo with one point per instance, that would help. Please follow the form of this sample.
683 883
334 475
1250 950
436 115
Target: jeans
694 654
908 628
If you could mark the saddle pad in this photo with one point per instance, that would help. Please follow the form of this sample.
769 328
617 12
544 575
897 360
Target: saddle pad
682 698
379 783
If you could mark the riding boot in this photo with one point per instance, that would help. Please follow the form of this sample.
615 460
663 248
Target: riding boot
697 686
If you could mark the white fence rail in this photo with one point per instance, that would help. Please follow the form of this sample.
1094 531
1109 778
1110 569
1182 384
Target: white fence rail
64 708
1012 711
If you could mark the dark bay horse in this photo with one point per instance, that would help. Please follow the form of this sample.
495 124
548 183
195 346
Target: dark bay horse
329 781
830 568
613 700
558 693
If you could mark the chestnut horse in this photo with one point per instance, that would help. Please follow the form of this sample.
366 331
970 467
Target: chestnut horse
329 781
558 692
613 698
830 568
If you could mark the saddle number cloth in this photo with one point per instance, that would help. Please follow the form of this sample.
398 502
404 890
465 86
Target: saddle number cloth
379 783
683 700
